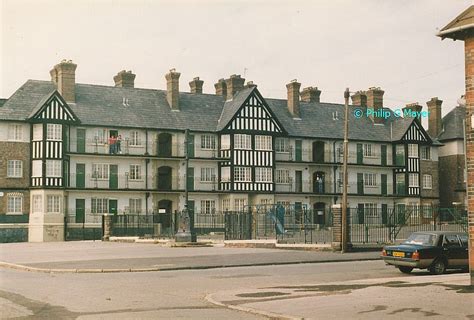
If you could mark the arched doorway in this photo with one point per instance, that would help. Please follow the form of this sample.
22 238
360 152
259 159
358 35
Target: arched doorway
165 208
165 178
318 151
164 145
318 182
319 213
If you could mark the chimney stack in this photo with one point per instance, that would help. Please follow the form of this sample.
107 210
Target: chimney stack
234 84
221 88
375 101
250 84
196 85
293 89
359 99
125 79
64 77
172 89
413 107
434 117
310 94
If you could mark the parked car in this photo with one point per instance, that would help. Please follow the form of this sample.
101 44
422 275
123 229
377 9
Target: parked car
432 250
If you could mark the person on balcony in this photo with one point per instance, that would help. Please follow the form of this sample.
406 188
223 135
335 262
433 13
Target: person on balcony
112 141
118 144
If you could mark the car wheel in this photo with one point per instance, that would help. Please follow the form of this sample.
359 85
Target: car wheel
438 267
405 269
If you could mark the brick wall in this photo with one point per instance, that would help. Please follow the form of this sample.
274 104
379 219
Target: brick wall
452 187
15 151
469 72
429 167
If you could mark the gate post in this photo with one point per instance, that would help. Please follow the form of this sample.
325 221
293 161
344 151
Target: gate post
107 226
337 227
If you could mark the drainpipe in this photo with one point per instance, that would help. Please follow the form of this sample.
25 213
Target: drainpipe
334 170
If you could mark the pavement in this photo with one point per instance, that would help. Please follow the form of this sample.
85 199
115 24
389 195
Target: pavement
414 297
99 257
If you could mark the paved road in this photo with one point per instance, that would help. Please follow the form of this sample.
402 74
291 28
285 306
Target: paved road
114 255
159 295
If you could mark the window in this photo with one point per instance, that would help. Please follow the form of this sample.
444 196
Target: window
263 175
15 203
15 132
427 181
208 175
425 153
370 210
413 150
413 180
101 136
135 138
53 168
370 179
427 211
242 174
242 141
282 145
208 142
135 172
225 174
99 205
400 155
36 168
100 171
135 206
54 131
368 150
208 206
54 204
263 143
14 168
37 203
37 132
282 176
225 142
225 204
285 204
239 204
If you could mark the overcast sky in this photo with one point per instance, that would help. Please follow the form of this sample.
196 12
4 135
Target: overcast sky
328 44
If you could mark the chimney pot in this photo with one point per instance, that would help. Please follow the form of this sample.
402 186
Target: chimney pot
234 84
172 89
125 79
375 101
196 85
221 88
311 94
63 75
413 106
293 90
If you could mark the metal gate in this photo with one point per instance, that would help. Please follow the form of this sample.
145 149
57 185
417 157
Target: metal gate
85 227
238 225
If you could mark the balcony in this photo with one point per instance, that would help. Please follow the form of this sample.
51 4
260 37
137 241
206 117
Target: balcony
119 181
96 146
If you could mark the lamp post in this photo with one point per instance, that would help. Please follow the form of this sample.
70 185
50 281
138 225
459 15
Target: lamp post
344 172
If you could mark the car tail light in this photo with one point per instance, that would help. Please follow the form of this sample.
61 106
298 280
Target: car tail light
415 255
384 253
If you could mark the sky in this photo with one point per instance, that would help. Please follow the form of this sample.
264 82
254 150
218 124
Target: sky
331 45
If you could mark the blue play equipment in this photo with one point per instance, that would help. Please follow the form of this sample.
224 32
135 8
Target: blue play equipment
278 217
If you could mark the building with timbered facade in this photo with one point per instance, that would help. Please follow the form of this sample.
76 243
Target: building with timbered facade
86 150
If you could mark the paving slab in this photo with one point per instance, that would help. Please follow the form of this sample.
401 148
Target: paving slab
413 297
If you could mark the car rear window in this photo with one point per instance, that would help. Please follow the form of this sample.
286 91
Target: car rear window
421 239
463 238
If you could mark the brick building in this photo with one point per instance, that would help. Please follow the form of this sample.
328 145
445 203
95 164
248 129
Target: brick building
462 28
244 150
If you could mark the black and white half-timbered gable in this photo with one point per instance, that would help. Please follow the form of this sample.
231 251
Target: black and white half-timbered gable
50 123
248 128
408 151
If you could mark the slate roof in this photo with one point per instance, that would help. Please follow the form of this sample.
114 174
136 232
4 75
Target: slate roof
2 102
453 124
148 108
